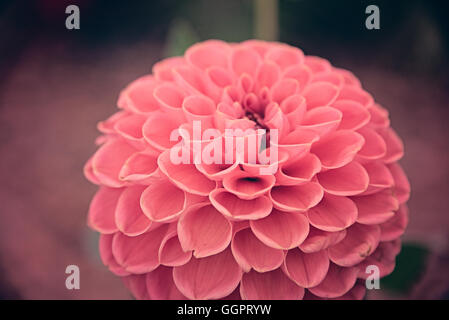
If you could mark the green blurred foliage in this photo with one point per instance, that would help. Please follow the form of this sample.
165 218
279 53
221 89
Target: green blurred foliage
410 266
181 35
225 20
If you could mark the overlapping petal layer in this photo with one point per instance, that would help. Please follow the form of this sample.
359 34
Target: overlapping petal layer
175 225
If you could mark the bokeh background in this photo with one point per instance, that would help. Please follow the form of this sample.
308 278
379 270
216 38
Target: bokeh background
56 84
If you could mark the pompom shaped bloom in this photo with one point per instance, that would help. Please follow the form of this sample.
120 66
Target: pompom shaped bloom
305 224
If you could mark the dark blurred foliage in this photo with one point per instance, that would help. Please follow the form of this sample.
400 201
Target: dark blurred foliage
413 35
410 266
422 27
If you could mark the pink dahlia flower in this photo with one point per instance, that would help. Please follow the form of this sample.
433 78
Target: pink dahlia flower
333 205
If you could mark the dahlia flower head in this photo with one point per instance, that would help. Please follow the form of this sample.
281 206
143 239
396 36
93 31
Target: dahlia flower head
331 204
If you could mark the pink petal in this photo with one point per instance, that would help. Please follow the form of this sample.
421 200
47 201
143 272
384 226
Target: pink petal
170 98
333 213
260 46
239 124
226 112
284 89
108 161
395 147
233 207
275 119
138 96
162 70
171 253
338 148
189 80
294 108
376 208
105 246
379 175
160 285
384 258
204 230
199 108
299 171
355 115
356 94
349 77
296 143
245 84
138 254
401 184
395 227
349 180
296 198
209 53
185 176
194 142
285 56
136 283
157 130
107 126
267 75
130 127
235 295
338 281
272 166
244 60
300 73
197 105
154 202
139 167
250 252
379 116
318 240
329 76
272 285
374 147
317 64
247 186
219 77
306 269
357 292
320 94
102 210
250 100
102 139
322 120
217 171
89 172
213 277
360 241
128 214
231 94
281 230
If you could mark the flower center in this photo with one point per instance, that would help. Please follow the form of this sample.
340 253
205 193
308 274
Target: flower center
254 111
257 118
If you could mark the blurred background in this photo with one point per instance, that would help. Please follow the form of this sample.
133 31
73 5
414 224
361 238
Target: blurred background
56 84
